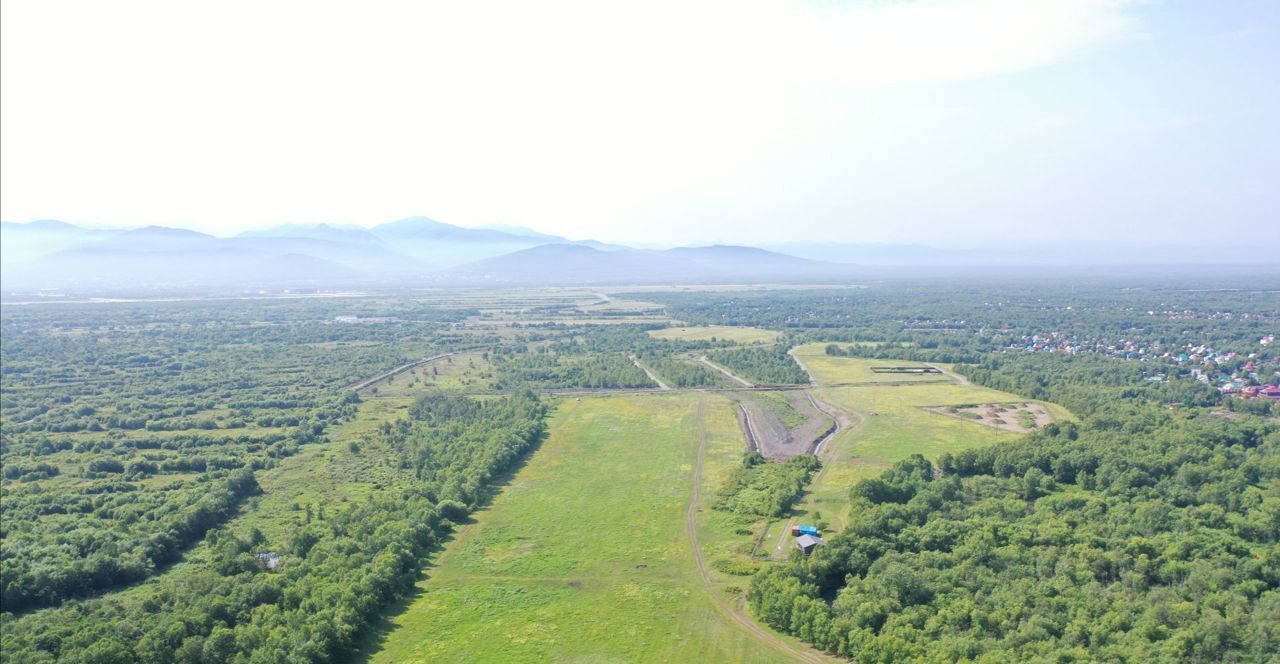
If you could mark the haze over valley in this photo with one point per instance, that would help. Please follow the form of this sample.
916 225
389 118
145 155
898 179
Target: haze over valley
858 332
53 258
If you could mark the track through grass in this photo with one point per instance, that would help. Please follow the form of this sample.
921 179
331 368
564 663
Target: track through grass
583 557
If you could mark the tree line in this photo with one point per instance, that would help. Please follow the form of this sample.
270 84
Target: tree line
1142 533
310 593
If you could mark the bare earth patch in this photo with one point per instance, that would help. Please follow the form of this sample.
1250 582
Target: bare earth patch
1020 417
770 437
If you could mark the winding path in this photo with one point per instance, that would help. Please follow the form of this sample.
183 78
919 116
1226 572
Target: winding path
727 610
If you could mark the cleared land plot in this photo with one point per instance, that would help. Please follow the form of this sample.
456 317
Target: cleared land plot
463 371
835 370
1021 417
584 556
739 335
782 424
889 420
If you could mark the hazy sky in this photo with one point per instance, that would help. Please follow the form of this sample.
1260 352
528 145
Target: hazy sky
931 121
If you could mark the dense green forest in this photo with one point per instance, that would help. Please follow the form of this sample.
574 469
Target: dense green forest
600 356
680 372
1143 533
329 577
129 432
763 365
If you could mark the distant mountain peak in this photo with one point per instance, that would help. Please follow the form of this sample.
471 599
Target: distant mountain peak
575 263
164 232
51 225
316 231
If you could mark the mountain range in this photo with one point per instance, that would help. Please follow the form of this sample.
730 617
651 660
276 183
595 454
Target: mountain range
55 257
417 251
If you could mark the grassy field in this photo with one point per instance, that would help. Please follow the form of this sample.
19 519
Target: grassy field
892 424
831 369
464 371
780 405
739 335
584 556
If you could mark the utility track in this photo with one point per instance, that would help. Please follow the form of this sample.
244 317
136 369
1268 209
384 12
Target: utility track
727 610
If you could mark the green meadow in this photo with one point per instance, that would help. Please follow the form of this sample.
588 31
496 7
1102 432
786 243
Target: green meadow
584 556
891 424
834 370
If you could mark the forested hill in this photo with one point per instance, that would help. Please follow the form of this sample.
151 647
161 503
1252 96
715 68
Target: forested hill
1143 533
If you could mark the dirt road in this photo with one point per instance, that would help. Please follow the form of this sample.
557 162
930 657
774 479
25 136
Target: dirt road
726 609
800 363
652 376
960 380
845 420
357 386
723 371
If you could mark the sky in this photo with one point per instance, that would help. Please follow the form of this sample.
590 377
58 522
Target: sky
940 122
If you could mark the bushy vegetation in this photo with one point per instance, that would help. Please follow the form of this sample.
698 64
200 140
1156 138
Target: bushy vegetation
763 365
763 489
677 372
570 366
128 431
1142 534
42 567
332 575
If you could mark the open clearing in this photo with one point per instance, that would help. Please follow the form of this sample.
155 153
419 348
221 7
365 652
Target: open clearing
584 556
889 420
739 335
835 370
781 424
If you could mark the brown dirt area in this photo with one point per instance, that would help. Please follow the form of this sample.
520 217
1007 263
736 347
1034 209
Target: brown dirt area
1013 417
770 437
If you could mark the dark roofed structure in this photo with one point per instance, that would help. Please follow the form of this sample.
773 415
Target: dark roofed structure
807 543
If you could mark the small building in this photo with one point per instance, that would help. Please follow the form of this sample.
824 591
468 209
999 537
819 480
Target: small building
806 543
812 531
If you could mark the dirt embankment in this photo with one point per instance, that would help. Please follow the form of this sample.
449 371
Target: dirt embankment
768 435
